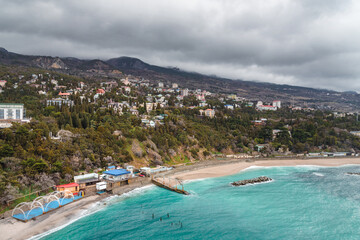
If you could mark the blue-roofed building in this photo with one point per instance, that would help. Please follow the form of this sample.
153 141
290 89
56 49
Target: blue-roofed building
228 106
117 175
117 178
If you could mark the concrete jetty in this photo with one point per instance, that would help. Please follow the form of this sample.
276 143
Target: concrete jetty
170 184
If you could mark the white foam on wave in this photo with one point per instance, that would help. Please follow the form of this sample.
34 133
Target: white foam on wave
309 167
254 167
195 180
318 174
95 207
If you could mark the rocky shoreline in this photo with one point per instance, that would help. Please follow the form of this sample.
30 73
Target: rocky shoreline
251 181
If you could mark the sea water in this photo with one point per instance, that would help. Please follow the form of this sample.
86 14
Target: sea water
300 203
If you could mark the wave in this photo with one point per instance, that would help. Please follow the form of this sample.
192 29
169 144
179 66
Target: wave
308 167
318 174
195 180
95 207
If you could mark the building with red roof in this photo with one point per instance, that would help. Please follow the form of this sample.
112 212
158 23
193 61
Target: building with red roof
2 83
210 113
100 91
72 187
64 94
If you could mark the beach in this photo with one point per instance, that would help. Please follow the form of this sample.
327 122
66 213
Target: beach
226 168
13 229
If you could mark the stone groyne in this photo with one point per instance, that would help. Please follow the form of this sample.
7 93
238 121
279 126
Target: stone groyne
251 181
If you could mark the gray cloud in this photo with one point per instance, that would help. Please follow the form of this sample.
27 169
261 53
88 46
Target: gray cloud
301 42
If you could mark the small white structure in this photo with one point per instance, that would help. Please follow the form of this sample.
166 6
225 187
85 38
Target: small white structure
150 171
83 177
101 186
130 168
152 124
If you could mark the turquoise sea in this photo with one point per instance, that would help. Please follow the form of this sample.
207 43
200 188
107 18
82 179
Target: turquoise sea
301 203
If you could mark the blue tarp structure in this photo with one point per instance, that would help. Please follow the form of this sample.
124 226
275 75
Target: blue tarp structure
48 207
116 172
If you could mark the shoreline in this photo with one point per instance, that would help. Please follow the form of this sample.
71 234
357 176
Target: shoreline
231 167
14 229
45 224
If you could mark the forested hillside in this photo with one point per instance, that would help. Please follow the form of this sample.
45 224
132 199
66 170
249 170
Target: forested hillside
61 141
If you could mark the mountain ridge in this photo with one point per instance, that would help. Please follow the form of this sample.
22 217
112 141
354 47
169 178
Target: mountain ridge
251 90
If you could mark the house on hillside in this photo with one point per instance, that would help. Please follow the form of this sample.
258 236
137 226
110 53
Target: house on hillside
64 95
12 112
59 102
100 91
209 113
3 83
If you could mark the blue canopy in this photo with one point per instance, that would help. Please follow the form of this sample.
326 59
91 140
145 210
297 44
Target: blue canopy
116 172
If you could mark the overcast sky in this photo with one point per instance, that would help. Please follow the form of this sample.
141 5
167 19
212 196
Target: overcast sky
312 43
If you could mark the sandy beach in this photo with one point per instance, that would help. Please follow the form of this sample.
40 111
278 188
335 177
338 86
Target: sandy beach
13 229
233 168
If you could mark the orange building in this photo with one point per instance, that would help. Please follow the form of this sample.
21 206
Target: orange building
72 187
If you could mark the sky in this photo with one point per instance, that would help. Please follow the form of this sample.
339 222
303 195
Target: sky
313 43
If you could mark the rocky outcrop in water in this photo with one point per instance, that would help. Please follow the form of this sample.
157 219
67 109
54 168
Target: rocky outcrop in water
251 181
353 173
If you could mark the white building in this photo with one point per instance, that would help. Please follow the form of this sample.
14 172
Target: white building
11 111
266 108
117 175
259 103
3 83
175 85
208 113
161 85
185 92
277 103
149 107
59 102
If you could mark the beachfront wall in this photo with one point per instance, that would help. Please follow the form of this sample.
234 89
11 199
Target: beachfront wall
111 185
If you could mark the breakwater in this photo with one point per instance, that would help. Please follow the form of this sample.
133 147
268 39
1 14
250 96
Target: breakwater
251 181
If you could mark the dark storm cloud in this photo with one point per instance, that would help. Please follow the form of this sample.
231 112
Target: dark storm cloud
309 43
